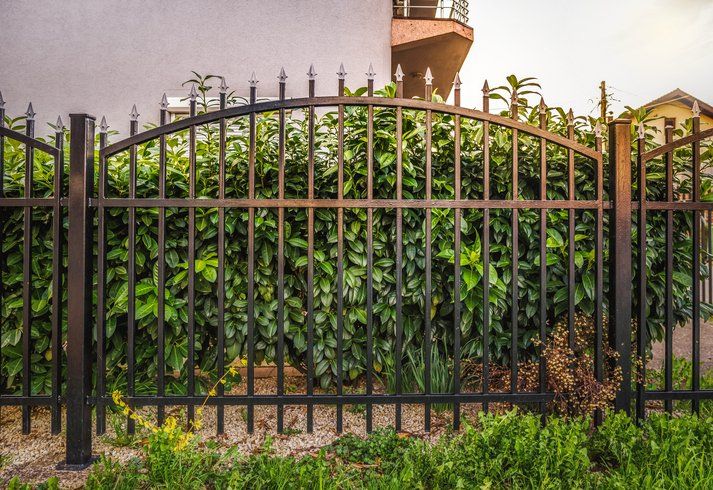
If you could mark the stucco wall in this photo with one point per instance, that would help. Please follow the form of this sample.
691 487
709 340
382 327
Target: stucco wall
102 56
678 111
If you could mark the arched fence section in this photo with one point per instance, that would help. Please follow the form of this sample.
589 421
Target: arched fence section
511 201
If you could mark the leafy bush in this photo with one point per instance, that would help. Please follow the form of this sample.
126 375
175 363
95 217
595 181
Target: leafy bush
382 445
355 314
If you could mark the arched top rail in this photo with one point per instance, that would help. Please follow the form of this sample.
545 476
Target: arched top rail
34 143
324 101
661 150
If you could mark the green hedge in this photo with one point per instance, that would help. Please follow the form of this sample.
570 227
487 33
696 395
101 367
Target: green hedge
265 300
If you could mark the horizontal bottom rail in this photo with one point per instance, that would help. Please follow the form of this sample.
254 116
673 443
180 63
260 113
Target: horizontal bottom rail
679 395
13 401
410 398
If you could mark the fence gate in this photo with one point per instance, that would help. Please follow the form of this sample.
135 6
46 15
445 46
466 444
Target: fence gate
87 204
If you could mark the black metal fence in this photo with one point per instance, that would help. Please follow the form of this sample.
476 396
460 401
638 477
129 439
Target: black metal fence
85 203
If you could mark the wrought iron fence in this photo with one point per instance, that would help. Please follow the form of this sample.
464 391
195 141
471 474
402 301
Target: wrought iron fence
83 203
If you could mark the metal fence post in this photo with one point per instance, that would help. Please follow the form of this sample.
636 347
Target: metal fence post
79 274
620 284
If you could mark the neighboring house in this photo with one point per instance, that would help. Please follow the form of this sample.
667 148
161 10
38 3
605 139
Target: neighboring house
676 106
102 56
430 33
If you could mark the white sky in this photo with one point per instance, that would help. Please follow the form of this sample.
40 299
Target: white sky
642 48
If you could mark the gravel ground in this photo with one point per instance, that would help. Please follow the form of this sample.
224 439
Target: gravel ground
34 457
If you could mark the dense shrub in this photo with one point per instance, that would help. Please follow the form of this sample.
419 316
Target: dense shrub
355 314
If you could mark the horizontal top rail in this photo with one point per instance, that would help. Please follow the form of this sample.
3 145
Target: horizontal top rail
691 138
326 101
34 143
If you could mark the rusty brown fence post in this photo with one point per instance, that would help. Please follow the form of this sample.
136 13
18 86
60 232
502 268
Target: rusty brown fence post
620 284
79 322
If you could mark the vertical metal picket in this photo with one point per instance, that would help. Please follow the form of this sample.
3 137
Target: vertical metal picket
27 271
57 273
641 245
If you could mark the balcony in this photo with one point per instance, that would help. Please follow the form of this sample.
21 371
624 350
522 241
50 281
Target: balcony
429 33
432 9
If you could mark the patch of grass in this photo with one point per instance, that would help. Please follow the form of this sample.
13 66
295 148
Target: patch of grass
666 452
682 379
413 379
50 484
4 460
497 451
121 437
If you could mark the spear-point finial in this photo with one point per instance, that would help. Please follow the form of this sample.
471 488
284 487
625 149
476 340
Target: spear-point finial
370 74
30 113
399 73
164 102
598 129
282 77
311 74
342 73
134 113
456 81
543 106
193 95
223 86
253 80
641 131
570 118
696 109
103 126
428 76
486 88
59 125
2 101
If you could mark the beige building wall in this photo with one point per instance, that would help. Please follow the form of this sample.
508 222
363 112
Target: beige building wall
102 56
680 112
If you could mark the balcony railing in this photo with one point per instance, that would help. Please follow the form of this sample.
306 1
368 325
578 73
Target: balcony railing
432 9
